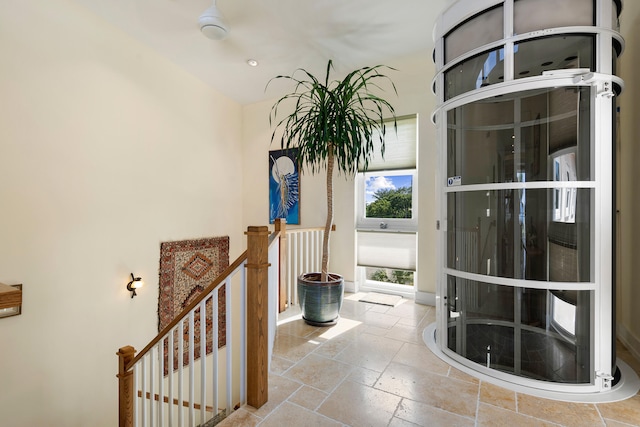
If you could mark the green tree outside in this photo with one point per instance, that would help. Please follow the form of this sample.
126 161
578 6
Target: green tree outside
391 203
401 277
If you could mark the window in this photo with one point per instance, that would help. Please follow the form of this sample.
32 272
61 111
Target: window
385 276
387 200
387 192
387 217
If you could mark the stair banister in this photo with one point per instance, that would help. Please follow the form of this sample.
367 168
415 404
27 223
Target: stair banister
257 323
254 328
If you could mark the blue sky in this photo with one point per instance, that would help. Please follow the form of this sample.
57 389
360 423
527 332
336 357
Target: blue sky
374 183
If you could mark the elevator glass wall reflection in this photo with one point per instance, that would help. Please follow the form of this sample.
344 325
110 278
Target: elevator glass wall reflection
514 232
535 333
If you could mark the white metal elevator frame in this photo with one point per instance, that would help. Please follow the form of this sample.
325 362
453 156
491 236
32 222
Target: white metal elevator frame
602 178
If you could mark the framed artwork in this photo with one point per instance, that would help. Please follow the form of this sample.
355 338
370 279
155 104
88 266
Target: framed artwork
284 186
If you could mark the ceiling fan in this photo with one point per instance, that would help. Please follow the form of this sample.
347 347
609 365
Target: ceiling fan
212 23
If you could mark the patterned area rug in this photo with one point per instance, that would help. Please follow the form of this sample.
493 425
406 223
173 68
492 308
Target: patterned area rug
187 267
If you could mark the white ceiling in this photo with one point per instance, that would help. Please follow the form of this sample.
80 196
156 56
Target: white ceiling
282 35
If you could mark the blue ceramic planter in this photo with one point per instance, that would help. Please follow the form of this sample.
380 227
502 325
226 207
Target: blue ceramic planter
320 302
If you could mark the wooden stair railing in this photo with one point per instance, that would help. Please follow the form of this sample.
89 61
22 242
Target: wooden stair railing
254 341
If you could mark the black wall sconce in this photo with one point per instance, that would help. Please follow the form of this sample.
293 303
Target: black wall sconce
135 283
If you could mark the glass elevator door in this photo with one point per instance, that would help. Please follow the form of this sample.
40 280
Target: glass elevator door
519 229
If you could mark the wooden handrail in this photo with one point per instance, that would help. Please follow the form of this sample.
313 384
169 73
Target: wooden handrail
223 276
273 236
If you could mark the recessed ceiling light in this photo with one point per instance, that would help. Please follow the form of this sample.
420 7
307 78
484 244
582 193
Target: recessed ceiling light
252 62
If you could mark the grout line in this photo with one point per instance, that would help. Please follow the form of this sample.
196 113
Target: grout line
435 409
604 423
395 411
276 408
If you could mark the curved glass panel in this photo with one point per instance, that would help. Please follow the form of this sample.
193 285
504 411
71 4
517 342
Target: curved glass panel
533 57
532 15
475 72
486 144
536 234
535 333
484 28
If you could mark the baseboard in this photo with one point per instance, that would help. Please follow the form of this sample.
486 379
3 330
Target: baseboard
425 298
629 340
350 287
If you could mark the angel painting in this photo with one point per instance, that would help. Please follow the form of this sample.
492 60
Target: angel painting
284 186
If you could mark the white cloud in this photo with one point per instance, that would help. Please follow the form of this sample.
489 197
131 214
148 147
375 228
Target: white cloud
375 183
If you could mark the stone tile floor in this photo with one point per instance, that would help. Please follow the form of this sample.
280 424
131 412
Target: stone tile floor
373 369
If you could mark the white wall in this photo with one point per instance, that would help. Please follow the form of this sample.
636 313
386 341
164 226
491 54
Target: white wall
412 79
106 150
628 292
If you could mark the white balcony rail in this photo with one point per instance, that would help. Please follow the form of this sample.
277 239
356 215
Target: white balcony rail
174 382
303 255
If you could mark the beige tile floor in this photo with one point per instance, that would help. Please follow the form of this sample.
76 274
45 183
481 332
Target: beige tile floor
372 369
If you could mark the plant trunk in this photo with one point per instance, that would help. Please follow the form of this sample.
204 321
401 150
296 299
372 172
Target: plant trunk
329 223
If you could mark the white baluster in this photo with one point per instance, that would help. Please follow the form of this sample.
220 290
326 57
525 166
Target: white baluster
136 399
144 391
243 339
159 346
152 388
307 251
294 264
229 343
203 360
214 353
192 414
180 373
170 345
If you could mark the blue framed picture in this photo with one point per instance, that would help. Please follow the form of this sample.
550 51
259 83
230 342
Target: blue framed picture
284 186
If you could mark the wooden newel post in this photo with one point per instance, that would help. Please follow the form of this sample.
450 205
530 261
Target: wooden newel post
257 315
125 386
281 226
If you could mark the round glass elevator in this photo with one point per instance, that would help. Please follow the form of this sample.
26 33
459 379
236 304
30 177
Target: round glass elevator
525 117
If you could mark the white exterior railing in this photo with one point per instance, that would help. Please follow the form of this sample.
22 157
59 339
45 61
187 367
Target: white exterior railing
303 255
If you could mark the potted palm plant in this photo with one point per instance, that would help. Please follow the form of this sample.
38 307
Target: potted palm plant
334 124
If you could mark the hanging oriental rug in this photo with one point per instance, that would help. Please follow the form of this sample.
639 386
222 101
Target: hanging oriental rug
187 267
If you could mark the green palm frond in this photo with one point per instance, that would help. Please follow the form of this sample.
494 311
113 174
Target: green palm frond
343 114
335 123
